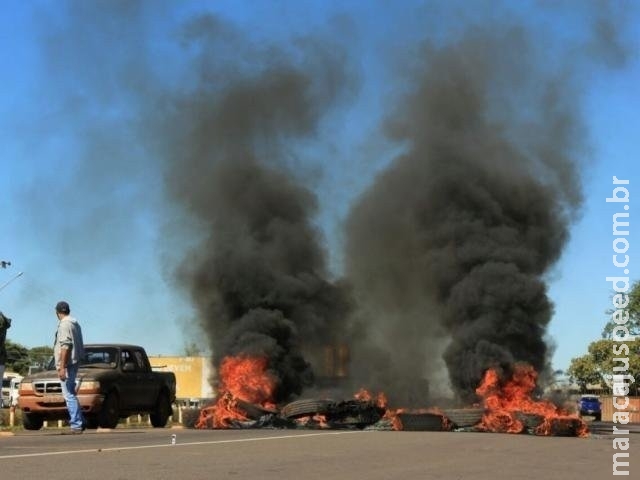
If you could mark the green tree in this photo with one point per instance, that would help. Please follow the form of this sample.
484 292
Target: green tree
17 358
583 371
40 356
595 367
20 358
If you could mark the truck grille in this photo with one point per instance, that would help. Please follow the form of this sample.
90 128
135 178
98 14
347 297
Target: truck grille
47 387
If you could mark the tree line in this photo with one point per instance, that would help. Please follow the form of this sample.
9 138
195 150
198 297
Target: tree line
597 364
20 358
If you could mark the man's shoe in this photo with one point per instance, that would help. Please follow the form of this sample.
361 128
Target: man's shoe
76 431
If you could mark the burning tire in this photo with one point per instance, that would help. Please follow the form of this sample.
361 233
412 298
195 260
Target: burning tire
252 410
190 417
464 417
421 422
306 408
353 413
565 427
530 421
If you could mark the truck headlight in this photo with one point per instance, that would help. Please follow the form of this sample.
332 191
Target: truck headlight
89 386
25 388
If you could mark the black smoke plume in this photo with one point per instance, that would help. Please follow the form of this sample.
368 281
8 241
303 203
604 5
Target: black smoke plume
257 272
450 248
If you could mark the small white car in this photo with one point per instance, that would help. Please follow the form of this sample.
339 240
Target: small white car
14 391
9 389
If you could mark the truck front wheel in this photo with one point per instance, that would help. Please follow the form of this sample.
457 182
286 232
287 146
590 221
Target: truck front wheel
110 413
91 421
162 412
32 421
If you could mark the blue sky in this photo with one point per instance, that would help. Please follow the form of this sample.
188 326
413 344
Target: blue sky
87 220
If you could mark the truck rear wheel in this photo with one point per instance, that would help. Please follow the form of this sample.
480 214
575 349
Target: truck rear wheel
32 421
161 415
110 412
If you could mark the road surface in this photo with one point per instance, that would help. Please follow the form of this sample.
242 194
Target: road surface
147 453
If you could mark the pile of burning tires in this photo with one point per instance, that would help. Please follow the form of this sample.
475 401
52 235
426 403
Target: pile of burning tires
311 413
321 413
366 414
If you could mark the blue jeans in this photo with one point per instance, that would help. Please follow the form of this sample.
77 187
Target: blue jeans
69 393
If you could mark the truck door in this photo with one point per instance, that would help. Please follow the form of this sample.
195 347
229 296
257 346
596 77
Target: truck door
148 383
129 387
141 387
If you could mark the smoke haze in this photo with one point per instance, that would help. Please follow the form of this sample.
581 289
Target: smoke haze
447 251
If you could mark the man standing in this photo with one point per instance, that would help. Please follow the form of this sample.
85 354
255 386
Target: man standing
68 349
5 323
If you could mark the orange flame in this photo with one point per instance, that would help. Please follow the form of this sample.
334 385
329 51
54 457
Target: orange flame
505 402
247 378
366 396
242 378
313 421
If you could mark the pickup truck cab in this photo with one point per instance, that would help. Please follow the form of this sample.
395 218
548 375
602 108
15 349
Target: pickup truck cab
114 381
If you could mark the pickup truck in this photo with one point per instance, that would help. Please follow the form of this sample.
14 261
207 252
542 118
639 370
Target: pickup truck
114 381
590 405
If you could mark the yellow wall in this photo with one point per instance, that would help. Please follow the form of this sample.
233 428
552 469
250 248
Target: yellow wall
192 374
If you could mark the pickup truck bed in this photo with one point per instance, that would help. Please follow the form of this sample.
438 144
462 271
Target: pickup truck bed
114 381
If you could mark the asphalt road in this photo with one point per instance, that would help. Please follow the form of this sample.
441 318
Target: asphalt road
305 454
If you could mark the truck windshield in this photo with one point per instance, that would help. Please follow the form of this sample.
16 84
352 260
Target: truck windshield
105 357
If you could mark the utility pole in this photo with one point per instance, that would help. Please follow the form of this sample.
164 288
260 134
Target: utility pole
5 264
